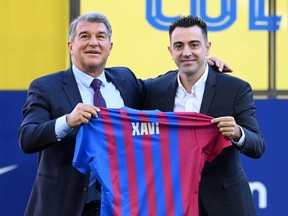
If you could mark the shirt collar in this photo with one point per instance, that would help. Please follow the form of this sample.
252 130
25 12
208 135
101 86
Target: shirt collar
86 79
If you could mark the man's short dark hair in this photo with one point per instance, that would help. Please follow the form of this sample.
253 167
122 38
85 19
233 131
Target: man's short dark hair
189 21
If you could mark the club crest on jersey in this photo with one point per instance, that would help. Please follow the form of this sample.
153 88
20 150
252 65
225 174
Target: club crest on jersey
144 128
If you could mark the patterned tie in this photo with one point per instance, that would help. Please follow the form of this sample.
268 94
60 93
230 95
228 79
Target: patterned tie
98 98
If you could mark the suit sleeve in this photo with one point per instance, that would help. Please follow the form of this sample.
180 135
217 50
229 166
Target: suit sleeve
37 130
245 110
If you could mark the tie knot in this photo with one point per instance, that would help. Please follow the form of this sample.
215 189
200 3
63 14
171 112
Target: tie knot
96 83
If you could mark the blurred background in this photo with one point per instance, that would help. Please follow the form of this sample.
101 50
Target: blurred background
250 35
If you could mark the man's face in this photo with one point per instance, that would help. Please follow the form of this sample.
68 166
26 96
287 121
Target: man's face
189 49
91 47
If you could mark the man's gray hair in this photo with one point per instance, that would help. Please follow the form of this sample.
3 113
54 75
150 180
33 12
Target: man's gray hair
90 17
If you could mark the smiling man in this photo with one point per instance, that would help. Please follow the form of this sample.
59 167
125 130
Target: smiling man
90 47
196 87
57 104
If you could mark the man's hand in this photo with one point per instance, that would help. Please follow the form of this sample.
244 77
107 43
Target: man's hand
219 65
82 113
228 127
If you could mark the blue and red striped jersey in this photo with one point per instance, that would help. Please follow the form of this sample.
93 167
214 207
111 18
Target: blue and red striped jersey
148 162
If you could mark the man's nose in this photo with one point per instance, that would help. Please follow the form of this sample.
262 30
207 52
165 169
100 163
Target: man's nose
186 51
93 41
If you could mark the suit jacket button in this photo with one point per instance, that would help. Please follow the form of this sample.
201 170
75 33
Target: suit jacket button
85 189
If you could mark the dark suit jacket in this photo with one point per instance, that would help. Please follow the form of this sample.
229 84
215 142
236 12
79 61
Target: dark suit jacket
224 188
59 189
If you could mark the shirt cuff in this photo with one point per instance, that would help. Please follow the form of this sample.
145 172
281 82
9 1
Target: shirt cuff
62 128
240 143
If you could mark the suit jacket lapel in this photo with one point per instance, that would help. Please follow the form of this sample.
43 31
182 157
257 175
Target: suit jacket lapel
209 91
170 94
71 89
121 85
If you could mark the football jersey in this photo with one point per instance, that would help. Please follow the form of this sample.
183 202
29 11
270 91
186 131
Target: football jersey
148 162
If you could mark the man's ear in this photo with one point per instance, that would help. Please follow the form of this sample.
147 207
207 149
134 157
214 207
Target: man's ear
111 46
208 46
70 46
169 49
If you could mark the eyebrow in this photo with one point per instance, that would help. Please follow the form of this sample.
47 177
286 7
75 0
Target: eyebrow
177 42
83 32
191 41
86 32
102 32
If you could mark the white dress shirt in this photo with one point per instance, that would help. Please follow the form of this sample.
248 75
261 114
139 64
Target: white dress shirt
190 102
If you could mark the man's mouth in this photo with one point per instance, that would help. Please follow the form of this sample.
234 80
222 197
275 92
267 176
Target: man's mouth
188 60
93 52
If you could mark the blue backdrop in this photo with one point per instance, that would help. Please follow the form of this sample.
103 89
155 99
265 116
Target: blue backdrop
268 176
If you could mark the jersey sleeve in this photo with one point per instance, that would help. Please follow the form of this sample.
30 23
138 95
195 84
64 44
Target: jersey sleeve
208 136
212 141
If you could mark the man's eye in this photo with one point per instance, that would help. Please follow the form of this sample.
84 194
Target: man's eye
101 37
195 45
177 46
84 36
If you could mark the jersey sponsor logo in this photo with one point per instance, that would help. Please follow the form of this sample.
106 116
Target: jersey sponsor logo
144 128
